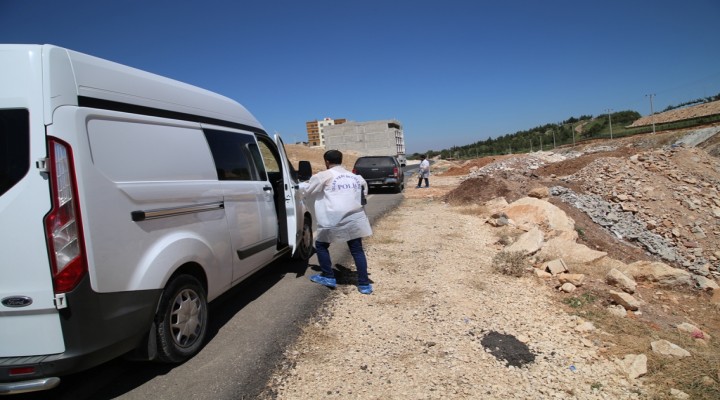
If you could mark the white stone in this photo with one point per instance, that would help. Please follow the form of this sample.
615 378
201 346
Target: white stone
668 349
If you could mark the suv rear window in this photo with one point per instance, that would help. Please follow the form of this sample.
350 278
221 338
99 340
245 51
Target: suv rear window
14 147
375 162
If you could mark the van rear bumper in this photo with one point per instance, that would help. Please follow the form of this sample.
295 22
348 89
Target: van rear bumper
29 386
97 327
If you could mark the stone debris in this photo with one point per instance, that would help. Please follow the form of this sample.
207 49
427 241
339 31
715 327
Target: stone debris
693 330
555 267
626 300
621 194
668 349
634 365
621 281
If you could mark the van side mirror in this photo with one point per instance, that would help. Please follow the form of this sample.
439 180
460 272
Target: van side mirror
304 171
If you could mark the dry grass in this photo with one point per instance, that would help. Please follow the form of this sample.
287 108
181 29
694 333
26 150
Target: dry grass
511 263
698 375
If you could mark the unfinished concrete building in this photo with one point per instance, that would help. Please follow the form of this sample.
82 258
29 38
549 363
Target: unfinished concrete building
373 138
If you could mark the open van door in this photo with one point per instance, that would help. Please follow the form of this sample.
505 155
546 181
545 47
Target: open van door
293 208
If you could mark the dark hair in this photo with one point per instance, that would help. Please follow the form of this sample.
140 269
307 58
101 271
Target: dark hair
422 156
333 157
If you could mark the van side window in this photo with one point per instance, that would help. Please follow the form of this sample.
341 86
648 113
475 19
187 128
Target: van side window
232 154
271 161
14 147
257 158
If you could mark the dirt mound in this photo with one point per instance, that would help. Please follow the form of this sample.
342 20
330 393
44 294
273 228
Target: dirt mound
470 165
477 191
570 166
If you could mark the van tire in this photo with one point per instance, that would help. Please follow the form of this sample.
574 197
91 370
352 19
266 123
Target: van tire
305 247
181 320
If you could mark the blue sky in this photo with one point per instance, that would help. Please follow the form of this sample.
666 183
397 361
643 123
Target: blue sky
453 72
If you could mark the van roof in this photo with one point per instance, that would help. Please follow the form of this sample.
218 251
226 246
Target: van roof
99 80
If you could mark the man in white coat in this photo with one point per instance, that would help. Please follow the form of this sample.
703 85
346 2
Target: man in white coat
335 196
424 172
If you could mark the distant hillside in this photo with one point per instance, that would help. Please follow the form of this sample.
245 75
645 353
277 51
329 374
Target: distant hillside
680 114
573 130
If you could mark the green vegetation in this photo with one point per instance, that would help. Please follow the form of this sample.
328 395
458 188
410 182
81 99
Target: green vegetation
585 127
583 299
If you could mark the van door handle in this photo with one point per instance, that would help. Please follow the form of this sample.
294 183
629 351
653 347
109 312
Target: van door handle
268 188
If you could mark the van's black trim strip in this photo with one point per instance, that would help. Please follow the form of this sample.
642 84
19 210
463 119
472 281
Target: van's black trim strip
143 215
243 254
91 102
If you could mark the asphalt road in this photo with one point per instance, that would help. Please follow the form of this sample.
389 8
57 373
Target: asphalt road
249 328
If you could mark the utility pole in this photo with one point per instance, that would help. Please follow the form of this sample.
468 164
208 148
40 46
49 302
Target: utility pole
610 119
652 112
572 129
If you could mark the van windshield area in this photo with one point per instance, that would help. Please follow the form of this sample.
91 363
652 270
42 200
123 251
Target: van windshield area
14 147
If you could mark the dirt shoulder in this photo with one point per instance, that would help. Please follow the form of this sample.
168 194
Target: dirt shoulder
436 298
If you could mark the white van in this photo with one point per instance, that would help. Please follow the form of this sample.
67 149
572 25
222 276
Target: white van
128 201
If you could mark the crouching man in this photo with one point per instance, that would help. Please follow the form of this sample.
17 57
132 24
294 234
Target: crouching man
335 196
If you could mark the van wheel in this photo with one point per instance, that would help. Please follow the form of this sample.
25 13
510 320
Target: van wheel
181 320
305 247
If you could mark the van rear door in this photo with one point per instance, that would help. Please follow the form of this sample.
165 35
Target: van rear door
29 321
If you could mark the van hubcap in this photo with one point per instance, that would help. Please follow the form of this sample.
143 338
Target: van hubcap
186 318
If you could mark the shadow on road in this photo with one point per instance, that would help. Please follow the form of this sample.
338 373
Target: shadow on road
117 377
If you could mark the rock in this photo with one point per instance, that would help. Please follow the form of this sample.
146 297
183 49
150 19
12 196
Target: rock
586 326
528 243
541 273
679 394
496 204
668 349
576 279
556 266
693 330
621 281
617 310
704 283
571 252
625 300
568 288
715 298
530 212
498 222
634 365
541 192
661 273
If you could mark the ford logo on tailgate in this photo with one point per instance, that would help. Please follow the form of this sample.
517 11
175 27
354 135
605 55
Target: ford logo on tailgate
17 301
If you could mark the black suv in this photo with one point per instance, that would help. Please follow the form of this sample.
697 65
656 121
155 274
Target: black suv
381 171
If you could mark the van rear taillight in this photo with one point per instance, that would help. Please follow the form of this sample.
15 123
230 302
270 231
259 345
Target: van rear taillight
396 173
62 224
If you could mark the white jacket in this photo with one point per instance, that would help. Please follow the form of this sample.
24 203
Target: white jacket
424 169
334 195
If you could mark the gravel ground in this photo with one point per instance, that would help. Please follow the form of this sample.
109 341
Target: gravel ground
439 317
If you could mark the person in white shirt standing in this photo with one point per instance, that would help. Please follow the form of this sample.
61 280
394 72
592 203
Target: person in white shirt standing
423 172
335 196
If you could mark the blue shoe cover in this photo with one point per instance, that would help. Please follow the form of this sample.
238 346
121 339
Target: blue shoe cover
329 282
365 289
